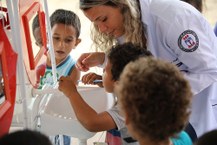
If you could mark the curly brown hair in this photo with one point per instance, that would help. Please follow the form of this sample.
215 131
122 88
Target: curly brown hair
156 98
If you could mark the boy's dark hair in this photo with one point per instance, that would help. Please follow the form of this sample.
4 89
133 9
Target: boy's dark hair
120 55
66 17
209 138
35 23
25 137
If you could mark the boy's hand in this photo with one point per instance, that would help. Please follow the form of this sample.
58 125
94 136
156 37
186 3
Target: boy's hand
90 77
87 60
67 86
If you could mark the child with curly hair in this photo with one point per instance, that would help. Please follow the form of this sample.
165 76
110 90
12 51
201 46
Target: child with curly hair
111 120
155 100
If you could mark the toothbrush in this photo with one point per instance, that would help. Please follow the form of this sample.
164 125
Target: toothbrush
95 81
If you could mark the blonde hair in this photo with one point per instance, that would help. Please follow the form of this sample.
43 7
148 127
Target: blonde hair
134 31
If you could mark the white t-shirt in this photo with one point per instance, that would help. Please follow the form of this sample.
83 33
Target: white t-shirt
120 123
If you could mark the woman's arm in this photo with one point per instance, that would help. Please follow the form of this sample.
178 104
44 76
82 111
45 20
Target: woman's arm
87 60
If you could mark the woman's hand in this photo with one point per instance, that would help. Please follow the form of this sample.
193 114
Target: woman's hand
87 60
89 78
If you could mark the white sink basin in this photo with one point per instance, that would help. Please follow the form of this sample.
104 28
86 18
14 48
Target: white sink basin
57 116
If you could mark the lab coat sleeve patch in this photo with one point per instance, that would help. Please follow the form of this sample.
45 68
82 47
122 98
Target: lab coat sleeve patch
188 41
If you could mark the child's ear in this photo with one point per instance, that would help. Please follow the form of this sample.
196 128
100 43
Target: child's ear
77 41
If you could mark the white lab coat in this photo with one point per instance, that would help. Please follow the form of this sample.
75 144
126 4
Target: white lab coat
177 32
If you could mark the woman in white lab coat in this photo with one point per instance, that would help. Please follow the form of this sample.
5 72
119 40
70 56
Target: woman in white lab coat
172 30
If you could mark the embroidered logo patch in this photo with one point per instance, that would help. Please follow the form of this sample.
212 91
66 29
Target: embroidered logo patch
188 41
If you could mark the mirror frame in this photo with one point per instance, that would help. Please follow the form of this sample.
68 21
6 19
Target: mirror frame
8 61
26 17
7 103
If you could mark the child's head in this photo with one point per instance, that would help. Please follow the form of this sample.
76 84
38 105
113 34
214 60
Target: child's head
66 17
36 31
209 138
25 137
65 32
118 57
155 99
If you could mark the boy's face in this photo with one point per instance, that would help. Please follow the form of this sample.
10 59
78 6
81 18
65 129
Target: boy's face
64 40
109 20
38 38
108 82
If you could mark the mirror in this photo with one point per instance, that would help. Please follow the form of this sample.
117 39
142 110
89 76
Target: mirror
33 18
35 34
2 90
36 41
37 44
8 65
